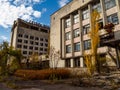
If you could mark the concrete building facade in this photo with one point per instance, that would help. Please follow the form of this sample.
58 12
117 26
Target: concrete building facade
71 24
29 37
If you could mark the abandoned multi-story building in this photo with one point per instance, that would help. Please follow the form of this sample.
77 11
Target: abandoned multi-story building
71 24
29 37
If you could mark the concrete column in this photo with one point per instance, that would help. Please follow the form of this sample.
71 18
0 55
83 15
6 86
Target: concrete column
62 38
72 42
103 11
90 11
11 39
81 33
71 62
118 7
81 62
15 37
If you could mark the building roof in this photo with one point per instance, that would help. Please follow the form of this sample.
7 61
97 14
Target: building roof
62 7
31 23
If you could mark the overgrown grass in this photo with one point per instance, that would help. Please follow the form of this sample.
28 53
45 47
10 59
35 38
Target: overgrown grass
11 84
43 74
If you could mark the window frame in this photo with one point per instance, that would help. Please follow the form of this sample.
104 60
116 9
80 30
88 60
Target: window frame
67 63
76 33
86 29
77 47
68 48
76 18
67 23
111 17
85 14
76 62
68 35
109 4
97 6
87 44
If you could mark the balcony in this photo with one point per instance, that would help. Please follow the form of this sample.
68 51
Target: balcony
110 39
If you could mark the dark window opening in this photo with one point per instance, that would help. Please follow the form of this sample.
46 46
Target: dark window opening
20 40
41 39
43 30
25 41
67 63
25 47
36 38
36 43
20 35
31 47
34 28
31 37
25 36
36 48
41 49
41 44
45 49
19 46
31 42
24 52
76 62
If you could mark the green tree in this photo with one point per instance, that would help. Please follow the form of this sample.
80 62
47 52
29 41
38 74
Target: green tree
5 53
4 48
17 54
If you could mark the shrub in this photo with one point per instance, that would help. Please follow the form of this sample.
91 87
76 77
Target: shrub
43 74
13 67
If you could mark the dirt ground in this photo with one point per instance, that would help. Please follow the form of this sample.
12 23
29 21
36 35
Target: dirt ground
41 85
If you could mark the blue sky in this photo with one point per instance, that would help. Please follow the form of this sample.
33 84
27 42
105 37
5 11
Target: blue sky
36 10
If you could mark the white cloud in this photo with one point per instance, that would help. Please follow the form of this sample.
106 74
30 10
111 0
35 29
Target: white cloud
10 10
44 10
37 14
27 2
63 2
4 38
36 0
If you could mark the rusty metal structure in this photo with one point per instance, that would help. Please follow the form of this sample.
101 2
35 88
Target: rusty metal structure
112 40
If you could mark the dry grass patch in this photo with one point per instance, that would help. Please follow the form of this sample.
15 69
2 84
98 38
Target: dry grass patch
43 74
